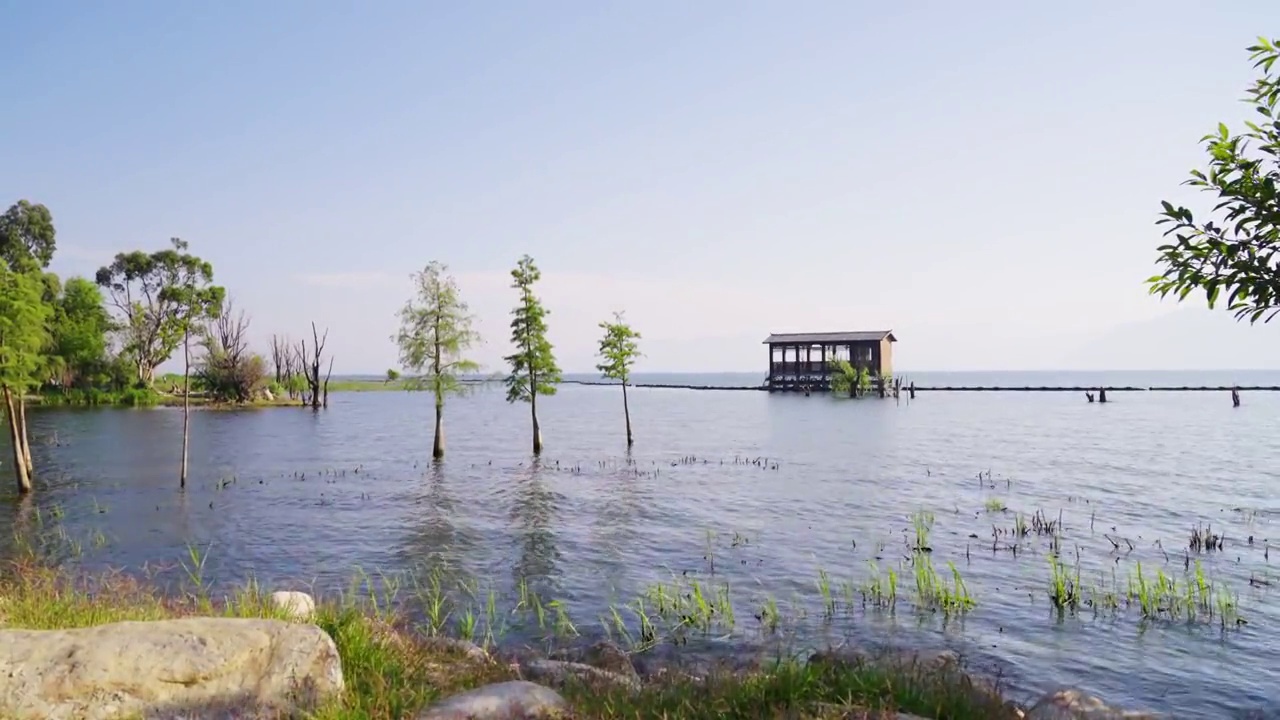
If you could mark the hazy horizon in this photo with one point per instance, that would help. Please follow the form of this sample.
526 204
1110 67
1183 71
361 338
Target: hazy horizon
982 179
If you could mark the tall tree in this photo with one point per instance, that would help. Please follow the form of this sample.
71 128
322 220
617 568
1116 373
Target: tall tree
23 334
435 331
28 240
140 286
1236 256
533 365
27 236
619 350
79 333
194 300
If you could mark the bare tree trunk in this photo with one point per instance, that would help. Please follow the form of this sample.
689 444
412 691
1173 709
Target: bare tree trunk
537 431
626 412
327 375
437 448
19 462
22 431
186 406
533 409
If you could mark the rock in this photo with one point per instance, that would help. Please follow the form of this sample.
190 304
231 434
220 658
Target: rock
268 395
1076 704
557 672
604 655
514 700
166 668
926 660
463 647
295 605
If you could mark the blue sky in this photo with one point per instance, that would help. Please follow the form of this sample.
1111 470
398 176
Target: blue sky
981 177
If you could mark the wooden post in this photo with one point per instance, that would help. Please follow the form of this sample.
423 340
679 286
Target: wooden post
1235 397
1102 395
911 391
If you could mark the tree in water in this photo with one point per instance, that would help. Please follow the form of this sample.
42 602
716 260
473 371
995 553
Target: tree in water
311 359
23 320
194 301
844 377
533 366
28 240
435 332
619 350
1236 256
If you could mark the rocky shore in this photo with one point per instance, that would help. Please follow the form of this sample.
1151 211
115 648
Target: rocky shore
283 655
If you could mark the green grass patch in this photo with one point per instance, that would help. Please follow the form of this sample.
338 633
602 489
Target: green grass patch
367 385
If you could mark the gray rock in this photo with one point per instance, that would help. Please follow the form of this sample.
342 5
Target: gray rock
293 604
514 700
1076 704
465 648
604 655
167 668
925 660
557 672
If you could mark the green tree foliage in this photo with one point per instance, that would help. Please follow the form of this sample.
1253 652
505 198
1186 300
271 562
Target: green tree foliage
392 376
27 236
533 365
27 243
844 377
1236 253
435 332
618 352
24 320
78 335
147 290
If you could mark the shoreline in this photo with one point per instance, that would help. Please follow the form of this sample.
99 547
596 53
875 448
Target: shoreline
392 667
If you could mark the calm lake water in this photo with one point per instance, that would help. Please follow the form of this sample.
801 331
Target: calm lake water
317 494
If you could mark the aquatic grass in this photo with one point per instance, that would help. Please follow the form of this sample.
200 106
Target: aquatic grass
994 505
922 525
935 594
880 591
824 589
1203 539
1064 585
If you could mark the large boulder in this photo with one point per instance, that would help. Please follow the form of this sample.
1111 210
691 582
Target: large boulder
166 669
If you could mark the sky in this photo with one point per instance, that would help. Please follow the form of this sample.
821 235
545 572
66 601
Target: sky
982 178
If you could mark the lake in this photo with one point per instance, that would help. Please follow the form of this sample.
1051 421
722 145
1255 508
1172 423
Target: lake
771 490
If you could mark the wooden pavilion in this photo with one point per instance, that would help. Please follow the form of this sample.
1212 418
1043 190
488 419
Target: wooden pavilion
799 361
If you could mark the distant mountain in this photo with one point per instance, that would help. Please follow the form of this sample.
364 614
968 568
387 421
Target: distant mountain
1190 337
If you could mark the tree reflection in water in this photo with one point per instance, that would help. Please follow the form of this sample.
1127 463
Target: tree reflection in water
533 514
437 547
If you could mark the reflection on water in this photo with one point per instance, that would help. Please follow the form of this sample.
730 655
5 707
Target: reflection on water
296 498
533 517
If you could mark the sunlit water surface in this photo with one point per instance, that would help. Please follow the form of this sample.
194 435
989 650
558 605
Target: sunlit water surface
316 495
